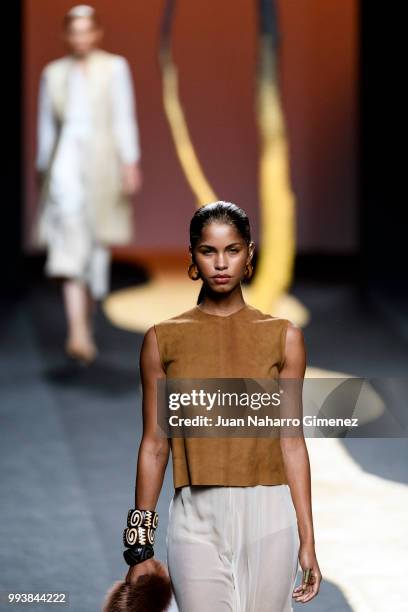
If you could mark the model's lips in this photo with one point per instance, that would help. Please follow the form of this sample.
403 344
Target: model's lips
221 279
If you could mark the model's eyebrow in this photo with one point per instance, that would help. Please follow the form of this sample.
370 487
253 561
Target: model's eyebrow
209 246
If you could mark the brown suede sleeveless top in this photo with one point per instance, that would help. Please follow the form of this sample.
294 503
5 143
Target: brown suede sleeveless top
244 344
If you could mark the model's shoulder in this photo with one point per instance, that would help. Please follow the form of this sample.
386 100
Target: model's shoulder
265 318
294 335
118 64
118 61
149 335
55 64
184 317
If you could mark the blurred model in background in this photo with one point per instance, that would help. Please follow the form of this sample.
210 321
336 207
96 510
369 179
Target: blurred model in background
88 165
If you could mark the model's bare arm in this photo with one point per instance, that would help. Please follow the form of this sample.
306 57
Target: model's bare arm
296 458
154 450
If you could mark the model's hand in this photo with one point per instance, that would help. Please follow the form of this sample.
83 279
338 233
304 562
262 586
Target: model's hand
145 567
307 559
131 179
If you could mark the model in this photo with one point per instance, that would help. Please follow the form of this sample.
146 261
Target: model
240 519
88 168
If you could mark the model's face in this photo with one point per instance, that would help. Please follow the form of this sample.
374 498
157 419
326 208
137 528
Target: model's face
221 256
82 36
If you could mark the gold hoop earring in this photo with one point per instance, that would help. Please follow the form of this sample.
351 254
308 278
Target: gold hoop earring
190 272
248 271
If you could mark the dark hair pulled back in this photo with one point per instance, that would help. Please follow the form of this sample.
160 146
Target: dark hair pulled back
218 212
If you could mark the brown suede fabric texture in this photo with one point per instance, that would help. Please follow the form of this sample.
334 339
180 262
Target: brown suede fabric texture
245 344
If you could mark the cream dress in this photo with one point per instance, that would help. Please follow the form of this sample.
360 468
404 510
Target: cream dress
72 249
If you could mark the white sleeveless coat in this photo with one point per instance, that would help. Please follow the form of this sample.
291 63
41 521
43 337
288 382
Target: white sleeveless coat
106 130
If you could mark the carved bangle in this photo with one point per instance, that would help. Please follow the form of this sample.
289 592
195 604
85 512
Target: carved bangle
142 518
138 535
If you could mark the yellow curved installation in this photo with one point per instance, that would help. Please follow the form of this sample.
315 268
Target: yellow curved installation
181 137
275 263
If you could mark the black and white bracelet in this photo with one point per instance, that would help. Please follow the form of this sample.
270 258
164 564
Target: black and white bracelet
138 535
142 518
